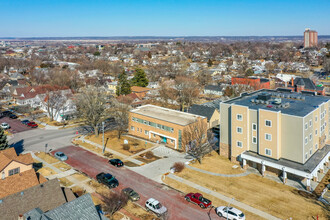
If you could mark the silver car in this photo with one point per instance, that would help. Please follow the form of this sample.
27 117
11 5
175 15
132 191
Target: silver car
61 156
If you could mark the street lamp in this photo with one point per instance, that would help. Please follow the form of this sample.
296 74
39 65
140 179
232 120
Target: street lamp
103 137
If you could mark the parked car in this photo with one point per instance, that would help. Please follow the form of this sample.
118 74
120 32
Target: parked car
198 199
116 162
107 179
61 156
32 124
25 122
12 116
6 113
131 194
5 125
233 213
155 206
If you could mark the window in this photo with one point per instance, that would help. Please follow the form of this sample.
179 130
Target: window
315 118
146 132
306 156
163 127
306 126
310 136
239 144
145 122
154 135
239 117
268 123
132 128
310 123
268 137
254 140
159 126
141 130
239 130
306 140
268 152
254 127
310 151
172 141
137 129
315 131
315 146
172 130
13 171
133 119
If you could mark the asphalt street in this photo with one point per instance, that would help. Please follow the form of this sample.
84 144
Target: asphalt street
91 164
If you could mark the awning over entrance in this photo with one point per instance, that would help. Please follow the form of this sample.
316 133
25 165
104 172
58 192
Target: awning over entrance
307 170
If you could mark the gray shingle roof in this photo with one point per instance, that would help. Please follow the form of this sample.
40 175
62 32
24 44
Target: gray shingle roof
202 110
45 196
81 208
213 88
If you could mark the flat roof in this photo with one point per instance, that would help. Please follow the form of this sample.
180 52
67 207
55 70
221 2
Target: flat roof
299 104
165 114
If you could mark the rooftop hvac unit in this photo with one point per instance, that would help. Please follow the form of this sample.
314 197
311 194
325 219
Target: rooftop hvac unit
303 98
261 102
267 102
253 100
286 105
277 101
257 101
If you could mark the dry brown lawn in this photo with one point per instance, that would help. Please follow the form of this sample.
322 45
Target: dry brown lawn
46 157
215 201
62 166
78 190
215 163
79 176
98 187
65 182
139 212
89 146
117 216
46 171
112 142
275 198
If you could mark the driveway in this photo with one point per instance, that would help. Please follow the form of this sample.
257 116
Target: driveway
15 125
91 164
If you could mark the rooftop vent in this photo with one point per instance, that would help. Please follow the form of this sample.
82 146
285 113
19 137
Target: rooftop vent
264 96
286 105
253 100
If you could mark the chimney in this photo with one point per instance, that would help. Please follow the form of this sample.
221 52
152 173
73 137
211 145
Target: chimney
20 217
3 176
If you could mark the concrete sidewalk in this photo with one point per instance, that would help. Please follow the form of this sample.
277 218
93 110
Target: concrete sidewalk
223 197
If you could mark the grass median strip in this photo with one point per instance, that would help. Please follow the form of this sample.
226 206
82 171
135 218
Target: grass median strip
46 157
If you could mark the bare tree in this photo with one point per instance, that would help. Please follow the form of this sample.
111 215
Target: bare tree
187 91
54 102
197 140
326 66
121 112
91 107
113 202
166 91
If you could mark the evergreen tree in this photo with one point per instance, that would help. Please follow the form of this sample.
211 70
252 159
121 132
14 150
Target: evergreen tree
3 140
140 78
123 87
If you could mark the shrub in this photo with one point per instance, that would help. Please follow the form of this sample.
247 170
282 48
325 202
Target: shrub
178 166
149 155
126 147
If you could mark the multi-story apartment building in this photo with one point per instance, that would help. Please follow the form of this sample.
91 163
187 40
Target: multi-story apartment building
162 125
310 38
283 132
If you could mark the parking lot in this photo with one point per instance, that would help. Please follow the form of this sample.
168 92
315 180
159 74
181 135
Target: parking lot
15 125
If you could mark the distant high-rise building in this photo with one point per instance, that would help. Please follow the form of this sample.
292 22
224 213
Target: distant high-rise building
310 38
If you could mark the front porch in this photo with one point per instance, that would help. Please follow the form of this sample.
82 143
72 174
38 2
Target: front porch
308 174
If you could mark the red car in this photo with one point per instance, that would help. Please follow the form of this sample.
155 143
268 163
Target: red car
198 199
32 124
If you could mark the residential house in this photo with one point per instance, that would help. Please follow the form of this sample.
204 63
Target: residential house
213 90
281 132
45 196
305 85
140 91
211 113
112 87
79 208
11 164
131 99
161 125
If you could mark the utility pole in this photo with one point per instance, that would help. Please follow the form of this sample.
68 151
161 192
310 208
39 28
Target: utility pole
103 137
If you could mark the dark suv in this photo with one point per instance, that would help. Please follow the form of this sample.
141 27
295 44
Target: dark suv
107 179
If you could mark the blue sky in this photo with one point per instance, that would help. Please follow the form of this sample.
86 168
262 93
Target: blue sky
71 18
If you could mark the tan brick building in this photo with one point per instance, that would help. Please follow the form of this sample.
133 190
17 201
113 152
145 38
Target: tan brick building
161 125
273 130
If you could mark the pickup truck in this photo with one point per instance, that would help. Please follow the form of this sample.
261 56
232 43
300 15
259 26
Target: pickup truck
198 199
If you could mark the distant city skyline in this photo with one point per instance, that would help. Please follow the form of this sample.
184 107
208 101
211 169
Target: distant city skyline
74 18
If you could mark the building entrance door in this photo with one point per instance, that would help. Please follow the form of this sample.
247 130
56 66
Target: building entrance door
164 140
